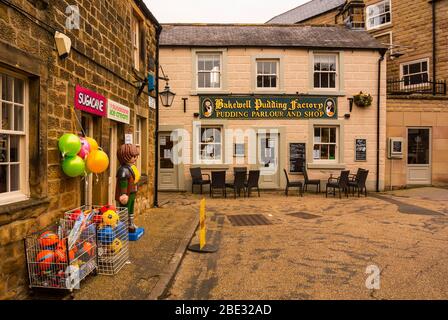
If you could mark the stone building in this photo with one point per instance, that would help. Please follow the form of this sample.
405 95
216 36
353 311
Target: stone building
416 33
282 90
114 45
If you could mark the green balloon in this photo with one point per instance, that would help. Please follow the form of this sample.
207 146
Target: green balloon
73 166
69 144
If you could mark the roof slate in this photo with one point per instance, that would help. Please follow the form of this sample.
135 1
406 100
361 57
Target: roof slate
265 35
306 11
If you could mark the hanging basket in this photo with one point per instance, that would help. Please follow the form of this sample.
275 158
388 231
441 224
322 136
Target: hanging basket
363 99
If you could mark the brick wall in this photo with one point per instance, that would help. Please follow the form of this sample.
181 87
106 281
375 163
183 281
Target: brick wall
101 60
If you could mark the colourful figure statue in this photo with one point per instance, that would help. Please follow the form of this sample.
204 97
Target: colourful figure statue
127 179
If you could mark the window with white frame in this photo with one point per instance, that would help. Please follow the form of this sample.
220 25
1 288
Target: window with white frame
209 70
138 141
415 72
325 71
378 14
135 25
325 143
210 144
267 73
13 162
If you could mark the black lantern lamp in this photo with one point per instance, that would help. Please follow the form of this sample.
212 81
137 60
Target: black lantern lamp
167 96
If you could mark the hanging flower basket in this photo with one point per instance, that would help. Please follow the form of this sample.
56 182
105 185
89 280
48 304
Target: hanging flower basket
363 99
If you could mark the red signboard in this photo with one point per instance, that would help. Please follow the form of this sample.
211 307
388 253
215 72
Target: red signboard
91 102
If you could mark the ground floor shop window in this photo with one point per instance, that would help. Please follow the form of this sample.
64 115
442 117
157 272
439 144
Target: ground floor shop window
325 143
210 144
13 136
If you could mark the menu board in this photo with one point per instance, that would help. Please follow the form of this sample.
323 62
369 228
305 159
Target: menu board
361 150
297 157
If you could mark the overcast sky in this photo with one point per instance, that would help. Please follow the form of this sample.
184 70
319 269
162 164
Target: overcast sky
219 11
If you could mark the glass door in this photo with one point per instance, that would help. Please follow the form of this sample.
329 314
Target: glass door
419 156
268 162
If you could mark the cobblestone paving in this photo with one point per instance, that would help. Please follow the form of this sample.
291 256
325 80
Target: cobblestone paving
318 248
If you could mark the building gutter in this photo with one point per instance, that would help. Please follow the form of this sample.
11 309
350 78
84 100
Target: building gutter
156 130
434 68
378 115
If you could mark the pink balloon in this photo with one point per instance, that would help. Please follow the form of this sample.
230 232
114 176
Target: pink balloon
85 148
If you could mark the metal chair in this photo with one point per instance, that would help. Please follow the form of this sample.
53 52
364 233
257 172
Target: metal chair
340 183
218 182
293 184
238 183
360 182
196 178
308 181
252 181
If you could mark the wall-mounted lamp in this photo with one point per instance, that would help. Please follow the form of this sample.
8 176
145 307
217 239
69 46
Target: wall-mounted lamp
166 96
396 55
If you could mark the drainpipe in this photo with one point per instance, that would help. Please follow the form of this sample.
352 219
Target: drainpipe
156 131
380 60
433 2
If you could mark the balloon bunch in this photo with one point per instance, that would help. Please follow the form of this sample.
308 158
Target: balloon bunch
81 155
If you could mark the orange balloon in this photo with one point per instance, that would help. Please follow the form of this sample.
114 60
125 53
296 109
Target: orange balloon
93 144
97 161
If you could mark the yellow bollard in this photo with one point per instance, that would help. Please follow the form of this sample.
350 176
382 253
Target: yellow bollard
202 246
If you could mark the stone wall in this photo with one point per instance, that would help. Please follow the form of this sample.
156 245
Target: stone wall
404 112
101 60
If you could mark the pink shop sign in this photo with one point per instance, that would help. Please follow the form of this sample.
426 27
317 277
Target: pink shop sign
91 102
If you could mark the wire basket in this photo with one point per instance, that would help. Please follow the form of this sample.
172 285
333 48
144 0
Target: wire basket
57 258
113 241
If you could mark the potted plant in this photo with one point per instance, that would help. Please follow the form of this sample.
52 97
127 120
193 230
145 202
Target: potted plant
362 99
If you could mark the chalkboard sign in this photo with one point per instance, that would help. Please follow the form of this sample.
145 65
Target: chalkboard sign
297 157
361 150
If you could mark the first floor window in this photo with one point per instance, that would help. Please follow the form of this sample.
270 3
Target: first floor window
210 145
135 41
209 70
12 136
325 143
378 14
267 74
415 72
325 71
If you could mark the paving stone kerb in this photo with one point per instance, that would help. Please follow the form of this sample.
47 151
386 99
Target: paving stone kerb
154 258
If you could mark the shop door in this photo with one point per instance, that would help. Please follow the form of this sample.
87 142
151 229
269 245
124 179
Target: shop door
168 170
268 162
87 182
113 162
419 156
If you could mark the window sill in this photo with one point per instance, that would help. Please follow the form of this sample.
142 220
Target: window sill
211 166
326 165
208 92
22 205
326 93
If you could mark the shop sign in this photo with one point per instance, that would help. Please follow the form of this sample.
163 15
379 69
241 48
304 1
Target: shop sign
253 107
118 112
128 138
91 102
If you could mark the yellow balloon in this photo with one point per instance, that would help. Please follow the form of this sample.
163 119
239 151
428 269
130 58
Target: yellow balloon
93 144
136 173
97 161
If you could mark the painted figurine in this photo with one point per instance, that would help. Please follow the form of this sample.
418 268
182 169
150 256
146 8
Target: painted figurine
127 179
